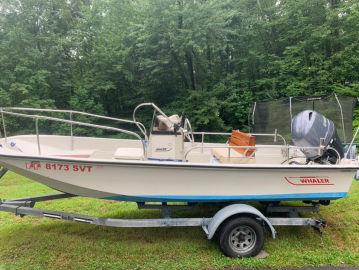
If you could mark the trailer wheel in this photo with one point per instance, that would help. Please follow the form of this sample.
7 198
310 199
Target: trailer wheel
241 237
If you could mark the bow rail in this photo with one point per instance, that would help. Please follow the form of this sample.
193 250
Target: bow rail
36 117
71 113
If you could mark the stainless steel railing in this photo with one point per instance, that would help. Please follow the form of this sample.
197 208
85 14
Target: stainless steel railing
287 148
71 113
352 142
157 109
71 122
274 135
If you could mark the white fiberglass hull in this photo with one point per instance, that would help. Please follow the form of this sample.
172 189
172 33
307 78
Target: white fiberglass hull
188 182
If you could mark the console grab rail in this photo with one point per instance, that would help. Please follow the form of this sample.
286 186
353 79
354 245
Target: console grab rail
157 109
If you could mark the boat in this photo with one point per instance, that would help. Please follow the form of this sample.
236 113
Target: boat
169 162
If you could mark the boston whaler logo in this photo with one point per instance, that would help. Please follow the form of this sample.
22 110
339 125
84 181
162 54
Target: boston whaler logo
309 180
166 148
163 149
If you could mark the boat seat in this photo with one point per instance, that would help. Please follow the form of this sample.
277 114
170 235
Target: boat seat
233 158
237 155
129 153
102 154
199 157
238 138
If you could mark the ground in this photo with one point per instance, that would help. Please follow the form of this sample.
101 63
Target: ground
34 243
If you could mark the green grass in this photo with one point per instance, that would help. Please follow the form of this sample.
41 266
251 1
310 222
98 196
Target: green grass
34 243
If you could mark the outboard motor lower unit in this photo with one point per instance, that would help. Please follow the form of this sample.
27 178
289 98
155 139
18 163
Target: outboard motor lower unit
312 129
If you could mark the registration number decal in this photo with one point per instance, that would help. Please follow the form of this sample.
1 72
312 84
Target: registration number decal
80 168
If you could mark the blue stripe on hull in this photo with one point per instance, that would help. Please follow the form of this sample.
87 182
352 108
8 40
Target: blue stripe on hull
199 198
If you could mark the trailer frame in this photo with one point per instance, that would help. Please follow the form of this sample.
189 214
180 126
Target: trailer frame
210 225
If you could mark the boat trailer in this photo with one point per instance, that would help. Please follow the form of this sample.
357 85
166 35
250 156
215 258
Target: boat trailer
239 228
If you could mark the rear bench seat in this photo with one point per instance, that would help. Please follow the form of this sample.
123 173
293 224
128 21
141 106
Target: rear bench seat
237 155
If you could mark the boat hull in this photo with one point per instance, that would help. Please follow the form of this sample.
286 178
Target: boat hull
183 182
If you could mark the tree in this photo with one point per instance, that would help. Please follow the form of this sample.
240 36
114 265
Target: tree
209 58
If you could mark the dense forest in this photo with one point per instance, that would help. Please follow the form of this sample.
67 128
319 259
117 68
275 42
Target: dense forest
209 58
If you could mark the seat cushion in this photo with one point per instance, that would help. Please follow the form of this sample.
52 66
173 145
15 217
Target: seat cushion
131 153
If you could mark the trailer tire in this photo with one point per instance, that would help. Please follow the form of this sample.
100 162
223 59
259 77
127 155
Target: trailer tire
241 237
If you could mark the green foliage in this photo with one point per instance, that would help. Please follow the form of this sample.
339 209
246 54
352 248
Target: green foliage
210 58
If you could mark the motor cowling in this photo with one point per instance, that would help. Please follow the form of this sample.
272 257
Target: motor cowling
312 129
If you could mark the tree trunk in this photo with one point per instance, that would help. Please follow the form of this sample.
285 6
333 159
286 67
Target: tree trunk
190 67
180 68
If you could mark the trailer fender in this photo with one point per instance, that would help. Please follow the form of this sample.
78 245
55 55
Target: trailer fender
234 209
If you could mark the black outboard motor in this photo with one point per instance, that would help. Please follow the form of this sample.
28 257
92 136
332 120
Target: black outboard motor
312 129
